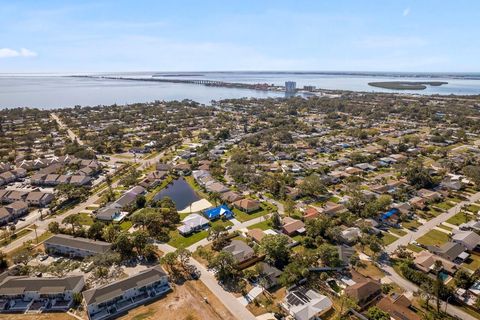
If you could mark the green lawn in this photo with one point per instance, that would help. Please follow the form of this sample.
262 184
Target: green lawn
125 225
387 238
264 225
433 237
15 236
414 248
398 232
85 219
473 208
458 219
179 241
411 224
243 216
473 263
444 205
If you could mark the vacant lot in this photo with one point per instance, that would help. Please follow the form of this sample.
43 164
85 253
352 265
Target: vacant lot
185 302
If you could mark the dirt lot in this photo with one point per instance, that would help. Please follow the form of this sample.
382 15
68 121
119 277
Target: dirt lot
185 302
46 316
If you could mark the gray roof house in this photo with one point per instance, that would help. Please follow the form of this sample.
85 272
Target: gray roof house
20 294
110 300
75 246
469 239
240 251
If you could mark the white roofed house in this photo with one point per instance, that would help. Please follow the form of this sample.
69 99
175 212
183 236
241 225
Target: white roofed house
108 301
306 304
192 223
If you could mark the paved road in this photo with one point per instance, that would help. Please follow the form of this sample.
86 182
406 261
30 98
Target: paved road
405 240
228 299
429 225
408 286
70 133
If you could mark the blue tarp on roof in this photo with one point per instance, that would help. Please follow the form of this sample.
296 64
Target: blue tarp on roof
217 212
389 213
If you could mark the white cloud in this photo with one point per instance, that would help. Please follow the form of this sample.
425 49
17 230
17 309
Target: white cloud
406 12
12 53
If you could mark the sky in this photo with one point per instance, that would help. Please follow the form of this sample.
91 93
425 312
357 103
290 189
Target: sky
230 35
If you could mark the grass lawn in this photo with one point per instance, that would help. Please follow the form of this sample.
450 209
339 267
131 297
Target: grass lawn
15 236
264 225
125 225
414 248
444 227
243 216
179 241
85 219
458 219
444 205
433 237
472 263
473 208
398 232
411 224
387 238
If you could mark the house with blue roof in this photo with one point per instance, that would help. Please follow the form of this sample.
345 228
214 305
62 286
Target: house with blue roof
218 212
390 217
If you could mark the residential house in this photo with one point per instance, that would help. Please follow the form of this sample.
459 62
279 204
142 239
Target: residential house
364 292
110 300
311 213
17 208
292 226
429 195
398 307
306 304
332 208
350 235
425 261
111 212
218 212
270 274
22 293
230 196
247 205
4 215
80 180
75 246
191 223
256 234
39 198
240 251
469 239
15 195
451 251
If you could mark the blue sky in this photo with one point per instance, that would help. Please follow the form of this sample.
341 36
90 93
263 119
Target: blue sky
366 35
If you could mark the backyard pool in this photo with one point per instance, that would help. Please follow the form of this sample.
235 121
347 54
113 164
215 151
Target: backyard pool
180 192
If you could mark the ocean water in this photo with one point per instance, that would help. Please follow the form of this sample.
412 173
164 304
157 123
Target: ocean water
49 91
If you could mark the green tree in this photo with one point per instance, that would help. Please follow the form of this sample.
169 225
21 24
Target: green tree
124 245
276 249
225 266
375 313
73 220
96 230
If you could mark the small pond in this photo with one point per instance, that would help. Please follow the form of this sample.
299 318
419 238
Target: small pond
180 192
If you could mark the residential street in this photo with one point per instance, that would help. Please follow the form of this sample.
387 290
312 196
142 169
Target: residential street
408 286
429 225
228 299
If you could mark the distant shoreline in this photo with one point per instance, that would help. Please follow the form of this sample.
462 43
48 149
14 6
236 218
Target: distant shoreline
406 85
